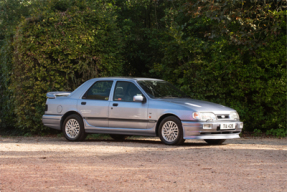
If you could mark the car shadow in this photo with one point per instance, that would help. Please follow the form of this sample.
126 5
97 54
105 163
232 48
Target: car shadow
146 142
141 140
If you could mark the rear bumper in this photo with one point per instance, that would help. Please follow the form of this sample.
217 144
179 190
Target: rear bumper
195 130
52 121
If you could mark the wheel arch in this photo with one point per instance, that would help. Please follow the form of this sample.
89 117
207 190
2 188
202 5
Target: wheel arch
161 118
66 115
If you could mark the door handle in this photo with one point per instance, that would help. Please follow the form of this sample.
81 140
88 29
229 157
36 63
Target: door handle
115 104
83 103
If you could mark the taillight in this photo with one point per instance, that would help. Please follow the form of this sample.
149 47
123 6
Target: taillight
46 108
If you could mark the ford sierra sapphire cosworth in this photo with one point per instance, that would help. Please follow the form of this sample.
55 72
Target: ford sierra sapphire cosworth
123 107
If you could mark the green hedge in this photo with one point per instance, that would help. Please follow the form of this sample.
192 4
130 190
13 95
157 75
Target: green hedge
10 16
229 56
229 52
257 90
58 50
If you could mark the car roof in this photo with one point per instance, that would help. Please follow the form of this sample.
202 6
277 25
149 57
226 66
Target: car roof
128 78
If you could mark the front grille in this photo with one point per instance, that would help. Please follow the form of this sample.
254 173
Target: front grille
222 116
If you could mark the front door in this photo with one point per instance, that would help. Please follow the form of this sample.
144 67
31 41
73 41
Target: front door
94 106
123 111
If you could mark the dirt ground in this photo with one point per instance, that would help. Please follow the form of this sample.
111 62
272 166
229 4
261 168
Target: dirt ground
141 164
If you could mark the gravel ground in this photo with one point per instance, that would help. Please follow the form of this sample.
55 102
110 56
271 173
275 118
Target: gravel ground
142 164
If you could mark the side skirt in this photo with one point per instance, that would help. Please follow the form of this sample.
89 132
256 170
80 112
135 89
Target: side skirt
120 131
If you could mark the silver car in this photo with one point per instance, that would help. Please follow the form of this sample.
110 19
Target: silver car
123 107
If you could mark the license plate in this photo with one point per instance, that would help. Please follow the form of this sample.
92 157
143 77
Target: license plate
227 126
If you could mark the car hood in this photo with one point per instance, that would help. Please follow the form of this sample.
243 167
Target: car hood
199 105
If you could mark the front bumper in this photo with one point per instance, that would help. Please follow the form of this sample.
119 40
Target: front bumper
52 121
194 130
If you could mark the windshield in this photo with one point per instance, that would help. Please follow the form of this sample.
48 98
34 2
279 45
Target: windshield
160 89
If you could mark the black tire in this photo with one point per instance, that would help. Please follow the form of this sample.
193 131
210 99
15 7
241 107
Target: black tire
214 141
118 137
78 122
178 138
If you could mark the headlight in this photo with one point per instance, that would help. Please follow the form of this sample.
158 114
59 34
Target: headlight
234 116
203 116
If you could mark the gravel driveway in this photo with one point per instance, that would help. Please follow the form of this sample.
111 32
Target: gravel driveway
141 164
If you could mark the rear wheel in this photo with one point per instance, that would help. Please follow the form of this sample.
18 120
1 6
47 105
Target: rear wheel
170 131
73 128
118 137
214 141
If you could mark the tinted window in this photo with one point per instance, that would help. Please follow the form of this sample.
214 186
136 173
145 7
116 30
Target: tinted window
125 91
160 89
99 91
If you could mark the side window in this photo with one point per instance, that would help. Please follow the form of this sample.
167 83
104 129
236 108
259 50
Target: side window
99 91
125 91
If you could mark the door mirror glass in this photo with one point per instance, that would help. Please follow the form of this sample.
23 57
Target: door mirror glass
138 98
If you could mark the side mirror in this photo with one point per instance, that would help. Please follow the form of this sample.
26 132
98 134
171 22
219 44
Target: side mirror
139 98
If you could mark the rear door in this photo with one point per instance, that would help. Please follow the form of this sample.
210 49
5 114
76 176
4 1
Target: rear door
123 111
94 105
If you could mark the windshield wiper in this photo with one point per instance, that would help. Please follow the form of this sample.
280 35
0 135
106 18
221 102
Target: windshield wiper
168 97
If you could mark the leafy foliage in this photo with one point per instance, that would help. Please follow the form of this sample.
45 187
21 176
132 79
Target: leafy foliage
57 50
277 132
11 13
231 52
257 132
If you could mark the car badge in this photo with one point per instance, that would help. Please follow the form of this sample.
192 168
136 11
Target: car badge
222 116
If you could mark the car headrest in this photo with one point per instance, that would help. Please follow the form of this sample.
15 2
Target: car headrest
119 90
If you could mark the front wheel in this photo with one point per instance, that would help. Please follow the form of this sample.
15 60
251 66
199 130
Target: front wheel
73 128
170 131
214 141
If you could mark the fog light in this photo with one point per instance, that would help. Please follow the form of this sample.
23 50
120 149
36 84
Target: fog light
207 126
241 125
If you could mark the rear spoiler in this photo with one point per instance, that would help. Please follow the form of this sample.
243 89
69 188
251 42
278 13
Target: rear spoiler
53 95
